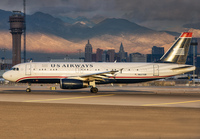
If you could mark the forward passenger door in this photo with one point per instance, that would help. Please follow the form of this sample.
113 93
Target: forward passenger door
28 69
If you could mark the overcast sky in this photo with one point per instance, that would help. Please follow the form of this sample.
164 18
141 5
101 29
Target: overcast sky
152 13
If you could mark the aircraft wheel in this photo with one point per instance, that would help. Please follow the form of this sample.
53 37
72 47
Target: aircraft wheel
28 89
94 90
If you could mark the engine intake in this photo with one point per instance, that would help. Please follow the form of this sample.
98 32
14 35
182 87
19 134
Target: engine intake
72 84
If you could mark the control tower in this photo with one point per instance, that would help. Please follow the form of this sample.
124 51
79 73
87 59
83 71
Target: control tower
16 27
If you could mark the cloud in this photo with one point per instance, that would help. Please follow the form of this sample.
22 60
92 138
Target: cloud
180 10
134 10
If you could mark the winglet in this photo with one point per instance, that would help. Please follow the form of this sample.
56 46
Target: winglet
186 35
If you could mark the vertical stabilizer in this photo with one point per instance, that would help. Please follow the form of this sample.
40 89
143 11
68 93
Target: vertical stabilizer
179 50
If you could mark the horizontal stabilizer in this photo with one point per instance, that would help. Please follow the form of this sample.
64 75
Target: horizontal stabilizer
182 68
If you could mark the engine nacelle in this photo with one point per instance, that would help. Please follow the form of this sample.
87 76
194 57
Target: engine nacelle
72 84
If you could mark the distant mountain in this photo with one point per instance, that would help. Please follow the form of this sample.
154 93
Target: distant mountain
82 20
49 34
49 43
97 19
66 19
172 33
45 23
195 32
40 22
115 26
194 25
4 18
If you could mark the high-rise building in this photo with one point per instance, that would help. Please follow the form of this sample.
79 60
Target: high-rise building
111 55
126 57
198 46
99 53
88 52
193 47
157 50
93 57
198 56
105 56
16 27
193 52
137 57
149 57
157 53
117 58
121 53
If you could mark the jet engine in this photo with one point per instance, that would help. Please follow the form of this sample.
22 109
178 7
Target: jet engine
72 84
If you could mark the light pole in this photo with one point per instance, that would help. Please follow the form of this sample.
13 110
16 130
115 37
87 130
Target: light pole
193 44
193 65
4 60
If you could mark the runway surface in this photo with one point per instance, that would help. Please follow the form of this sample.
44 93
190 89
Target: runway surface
121 96
113 113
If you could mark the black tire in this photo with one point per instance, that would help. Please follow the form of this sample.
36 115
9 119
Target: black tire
28 89
94 90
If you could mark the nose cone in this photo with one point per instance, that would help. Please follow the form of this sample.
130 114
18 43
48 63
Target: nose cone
7 76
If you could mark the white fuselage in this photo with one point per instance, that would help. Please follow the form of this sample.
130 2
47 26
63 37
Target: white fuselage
47 72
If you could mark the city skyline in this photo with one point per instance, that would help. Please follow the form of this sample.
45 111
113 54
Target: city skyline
111 55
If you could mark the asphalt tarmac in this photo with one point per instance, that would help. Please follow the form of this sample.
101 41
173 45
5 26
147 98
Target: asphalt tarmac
114 112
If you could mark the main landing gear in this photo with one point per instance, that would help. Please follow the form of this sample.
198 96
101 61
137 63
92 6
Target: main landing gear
28 89
94 89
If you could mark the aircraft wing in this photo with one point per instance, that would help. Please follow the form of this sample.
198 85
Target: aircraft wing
99 76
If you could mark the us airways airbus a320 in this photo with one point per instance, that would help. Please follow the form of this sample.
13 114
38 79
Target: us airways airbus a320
79 75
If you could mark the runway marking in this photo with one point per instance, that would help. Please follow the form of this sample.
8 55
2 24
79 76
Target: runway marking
172 103
68 98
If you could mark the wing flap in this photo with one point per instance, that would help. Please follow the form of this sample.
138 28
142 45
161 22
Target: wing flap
99 76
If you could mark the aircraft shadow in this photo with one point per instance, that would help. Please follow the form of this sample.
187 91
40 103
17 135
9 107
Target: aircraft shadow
76 92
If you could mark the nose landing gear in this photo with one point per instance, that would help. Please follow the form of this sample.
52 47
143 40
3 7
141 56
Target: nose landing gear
28 89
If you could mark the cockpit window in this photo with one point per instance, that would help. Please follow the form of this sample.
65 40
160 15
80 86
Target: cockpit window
15 69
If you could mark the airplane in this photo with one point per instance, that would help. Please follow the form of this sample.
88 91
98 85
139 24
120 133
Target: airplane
77 75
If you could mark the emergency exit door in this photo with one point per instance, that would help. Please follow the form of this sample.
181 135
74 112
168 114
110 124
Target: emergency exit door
155 70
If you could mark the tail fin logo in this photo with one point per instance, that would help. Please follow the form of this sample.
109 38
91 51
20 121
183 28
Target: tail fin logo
179 50
186 35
